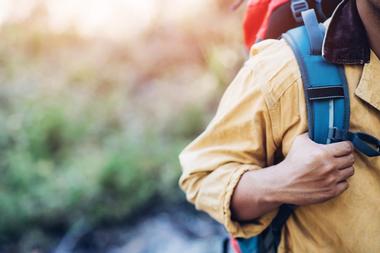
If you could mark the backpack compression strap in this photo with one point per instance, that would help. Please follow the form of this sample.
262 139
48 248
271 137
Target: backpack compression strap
326 89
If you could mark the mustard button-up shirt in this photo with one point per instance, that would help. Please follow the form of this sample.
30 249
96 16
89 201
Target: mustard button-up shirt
260 114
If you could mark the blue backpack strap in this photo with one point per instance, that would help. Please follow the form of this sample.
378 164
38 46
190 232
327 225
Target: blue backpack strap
326 89
325 84
249 245
268 240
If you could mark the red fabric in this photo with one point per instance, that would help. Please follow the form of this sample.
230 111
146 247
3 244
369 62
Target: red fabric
255 22
235 245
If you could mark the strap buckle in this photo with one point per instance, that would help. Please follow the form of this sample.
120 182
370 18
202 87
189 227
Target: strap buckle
335 134
297 7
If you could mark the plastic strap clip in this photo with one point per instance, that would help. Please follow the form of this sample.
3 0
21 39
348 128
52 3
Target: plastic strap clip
297 7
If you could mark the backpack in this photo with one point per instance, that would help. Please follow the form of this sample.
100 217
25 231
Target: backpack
328 108
268 19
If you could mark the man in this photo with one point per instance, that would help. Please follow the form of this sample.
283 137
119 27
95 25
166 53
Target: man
256 155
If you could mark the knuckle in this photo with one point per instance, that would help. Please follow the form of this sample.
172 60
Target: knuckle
348 146
329 166
331 179
352 158
352 148
320 154
325 153
351 171
336 191
344 186
314 157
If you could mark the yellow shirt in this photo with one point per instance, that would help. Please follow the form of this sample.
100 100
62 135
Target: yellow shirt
260 114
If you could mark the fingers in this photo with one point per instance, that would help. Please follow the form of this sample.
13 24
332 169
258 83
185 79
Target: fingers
344 174
343 162
340 148
341 187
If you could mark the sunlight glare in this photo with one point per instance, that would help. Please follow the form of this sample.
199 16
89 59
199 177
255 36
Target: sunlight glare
112 18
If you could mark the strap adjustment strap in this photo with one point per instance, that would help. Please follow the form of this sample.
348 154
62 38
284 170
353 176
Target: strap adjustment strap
365 143
325 92
297 7
314 31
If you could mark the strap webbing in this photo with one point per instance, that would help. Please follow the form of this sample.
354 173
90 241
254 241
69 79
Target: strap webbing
314 33
365 143
283 214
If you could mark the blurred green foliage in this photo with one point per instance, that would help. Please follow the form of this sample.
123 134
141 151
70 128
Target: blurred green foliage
60 162
91 129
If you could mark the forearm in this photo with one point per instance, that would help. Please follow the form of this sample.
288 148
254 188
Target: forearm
257 193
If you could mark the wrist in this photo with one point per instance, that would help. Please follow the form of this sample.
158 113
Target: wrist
275 182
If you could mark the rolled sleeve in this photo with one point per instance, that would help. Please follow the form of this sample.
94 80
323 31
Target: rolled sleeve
237 140
237 229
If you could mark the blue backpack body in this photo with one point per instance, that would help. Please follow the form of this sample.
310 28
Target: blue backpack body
328 107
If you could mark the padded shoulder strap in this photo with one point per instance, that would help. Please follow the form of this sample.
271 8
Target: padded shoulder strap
326 89
325 84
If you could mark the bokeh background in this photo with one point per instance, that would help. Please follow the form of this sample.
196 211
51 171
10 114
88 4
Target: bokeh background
97 99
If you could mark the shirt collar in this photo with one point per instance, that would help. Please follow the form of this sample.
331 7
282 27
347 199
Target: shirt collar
368 88
346 40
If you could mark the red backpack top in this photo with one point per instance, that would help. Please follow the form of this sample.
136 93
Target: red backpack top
268 19
256 19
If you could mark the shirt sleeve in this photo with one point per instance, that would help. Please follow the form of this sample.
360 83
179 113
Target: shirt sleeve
240 138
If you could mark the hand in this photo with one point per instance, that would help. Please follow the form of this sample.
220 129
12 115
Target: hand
313 173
